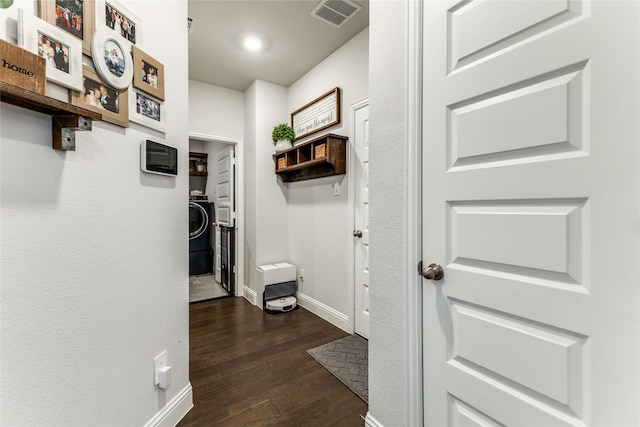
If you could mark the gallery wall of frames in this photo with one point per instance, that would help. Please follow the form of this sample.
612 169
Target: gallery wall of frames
120 80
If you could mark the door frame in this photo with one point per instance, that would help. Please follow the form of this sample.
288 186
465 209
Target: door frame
413 211
239 188
351 206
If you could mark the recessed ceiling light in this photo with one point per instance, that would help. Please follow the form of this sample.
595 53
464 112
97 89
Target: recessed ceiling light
252 43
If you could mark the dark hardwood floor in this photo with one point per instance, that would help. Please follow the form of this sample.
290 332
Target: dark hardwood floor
250 368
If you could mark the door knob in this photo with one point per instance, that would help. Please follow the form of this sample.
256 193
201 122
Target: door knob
433 272
357 233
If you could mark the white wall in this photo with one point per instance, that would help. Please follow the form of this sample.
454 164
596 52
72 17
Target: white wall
319 234
215 111
265 198
387 344
94 259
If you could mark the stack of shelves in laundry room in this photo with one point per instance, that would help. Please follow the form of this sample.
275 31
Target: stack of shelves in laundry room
198 178
323 156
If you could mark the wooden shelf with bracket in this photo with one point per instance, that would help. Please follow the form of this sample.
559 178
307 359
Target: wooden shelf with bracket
197 157
317 158
65 118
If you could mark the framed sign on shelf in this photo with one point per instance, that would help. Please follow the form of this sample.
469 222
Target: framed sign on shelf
317 115
76 17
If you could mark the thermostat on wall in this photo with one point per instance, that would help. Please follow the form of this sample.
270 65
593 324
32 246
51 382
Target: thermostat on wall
156 157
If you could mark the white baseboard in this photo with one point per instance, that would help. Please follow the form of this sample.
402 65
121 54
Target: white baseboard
369 421
250 295
324 311
175 410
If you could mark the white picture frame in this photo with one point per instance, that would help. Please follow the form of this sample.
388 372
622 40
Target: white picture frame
147 110
111 58
127 18
40 37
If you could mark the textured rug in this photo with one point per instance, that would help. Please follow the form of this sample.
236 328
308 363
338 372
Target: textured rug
348 360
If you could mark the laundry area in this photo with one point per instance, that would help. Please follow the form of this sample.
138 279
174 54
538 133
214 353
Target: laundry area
211 221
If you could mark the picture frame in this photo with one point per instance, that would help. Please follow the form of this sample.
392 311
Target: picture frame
317 115
147 110
76 17
114 110
114 15
62 51
148 73
111 58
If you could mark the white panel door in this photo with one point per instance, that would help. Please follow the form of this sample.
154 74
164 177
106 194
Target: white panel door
225 191
225 199
531 205
361 223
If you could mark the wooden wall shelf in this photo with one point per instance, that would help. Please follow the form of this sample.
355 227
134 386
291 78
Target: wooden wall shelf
193 155
65 118
317 158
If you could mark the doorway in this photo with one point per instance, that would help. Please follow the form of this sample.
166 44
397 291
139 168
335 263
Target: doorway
217 183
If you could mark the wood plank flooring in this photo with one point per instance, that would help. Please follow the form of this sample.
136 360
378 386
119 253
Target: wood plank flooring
250 368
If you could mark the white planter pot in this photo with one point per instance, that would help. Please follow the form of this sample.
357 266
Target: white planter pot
283 144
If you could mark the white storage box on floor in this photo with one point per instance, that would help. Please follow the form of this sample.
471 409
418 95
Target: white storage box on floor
271 274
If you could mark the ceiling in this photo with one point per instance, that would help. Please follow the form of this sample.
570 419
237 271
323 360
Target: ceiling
294 40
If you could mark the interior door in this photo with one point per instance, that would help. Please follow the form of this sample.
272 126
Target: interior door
530 205
361 215
225 191
225 200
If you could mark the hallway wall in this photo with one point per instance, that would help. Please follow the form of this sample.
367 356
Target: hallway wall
388 344
265 203
94 281
319 233
215 111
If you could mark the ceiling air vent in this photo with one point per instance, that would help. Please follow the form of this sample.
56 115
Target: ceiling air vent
335 12
191 24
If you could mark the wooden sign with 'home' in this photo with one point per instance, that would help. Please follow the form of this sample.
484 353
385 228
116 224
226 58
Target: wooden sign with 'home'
22 68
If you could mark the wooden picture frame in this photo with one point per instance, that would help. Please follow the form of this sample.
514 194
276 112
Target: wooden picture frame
114 15
114 109
148 74
62 51
319 114
147 110
112 58
76 17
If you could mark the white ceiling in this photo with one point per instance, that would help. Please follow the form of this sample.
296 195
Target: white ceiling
294 40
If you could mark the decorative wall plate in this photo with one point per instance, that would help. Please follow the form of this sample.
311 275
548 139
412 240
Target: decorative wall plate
112 60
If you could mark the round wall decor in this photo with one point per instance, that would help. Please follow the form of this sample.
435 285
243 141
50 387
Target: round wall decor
112 60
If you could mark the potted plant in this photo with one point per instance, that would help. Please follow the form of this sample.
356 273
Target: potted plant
283 136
